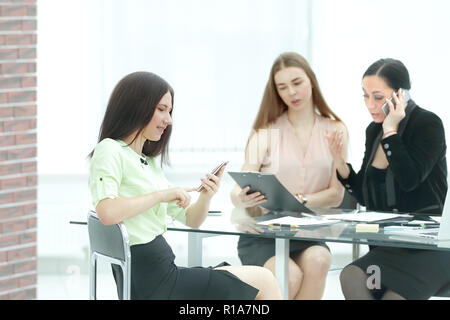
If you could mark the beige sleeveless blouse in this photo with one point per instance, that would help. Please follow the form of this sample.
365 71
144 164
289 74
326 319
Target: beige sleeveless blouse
299 173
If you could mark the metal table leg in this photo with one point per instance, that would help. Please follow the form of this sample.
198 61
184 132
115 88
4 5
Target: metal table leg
281 265
195 246
355 251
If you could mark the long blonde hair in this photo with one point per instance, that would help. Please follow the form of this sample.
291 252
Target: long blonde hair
272 106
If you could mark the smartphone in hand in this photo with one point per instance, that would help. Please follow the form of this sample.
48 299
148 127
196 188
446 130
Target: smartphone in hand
385 106
215 170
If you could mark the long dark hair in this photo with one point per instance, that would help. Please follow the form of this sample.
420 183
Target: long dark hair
392 71
131 107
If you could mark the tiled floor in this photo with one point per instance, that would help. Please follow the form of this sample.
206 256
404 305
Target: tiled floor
69 287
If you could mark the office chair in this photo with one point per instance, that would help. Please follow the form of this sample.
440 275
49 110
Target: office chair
109 243
349 202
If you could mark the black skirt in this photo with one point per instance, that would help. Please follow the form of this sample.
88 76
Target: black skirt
154 276
414 274
257 250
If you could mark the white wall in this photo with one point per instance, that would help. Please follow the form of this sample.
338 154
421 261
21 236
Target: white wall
70 83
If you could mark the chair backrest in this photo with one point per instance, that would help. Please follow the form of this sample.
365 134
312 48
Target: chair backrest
111 241
348 202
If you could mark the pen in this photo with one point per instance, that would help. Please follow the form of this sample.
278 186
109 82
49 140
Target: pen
279 225
214 213
77 222
429 226
390 228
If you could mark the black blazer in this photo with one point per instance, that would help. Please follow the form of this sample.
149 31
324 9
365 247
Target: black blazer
417 163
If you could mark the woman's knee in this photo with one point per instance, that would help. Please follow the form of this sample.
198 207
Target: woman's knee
315 261
354 283
351 274
295 279
295 275
268 285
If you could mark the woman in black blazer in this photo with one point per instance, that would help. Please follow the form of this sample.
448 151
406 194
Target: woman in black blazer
404 169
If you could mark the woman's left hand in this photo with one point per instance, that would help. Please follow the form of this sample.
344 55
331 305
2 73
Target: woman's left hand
335 144
211 183
396 112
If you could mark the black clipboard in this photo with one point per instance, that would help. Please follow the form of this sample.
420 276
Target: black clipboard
278 197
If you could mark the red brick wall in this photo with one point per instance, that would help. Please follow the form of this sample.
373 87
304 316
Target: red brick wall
18 147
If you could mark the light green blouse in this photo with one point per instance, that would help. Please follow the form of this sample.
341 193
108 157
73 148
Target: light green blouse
116 170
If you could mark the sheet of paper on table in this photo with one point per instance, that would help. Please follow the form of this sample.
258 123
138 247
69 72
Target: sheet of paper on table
437 219
422 222
368 216
294 221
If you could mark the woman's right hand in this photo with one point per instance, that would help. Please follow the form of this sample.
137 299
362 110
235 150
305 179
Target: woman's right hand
181 195
248 226
250 200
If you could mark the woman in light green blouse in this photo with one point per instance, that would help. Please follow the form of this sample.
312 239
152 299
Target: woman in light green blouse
128 185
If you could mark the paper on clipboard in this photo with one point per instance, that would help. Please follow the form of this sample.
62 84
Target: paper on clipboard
279 199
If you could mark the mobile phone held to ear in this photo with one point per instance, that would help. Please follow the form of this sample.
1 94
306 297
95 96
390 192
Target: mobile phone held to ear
385 106
216 169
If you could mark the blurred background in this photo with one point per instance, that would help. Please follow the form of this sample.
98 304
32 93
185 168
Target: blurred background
217 56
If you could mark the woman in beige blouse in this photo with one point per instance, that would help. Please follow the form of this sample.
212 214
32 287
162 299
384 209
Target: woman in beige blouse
289 140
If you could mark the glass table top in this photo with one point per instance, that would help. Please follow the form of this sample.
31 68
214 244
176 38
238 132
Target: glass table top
238 222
